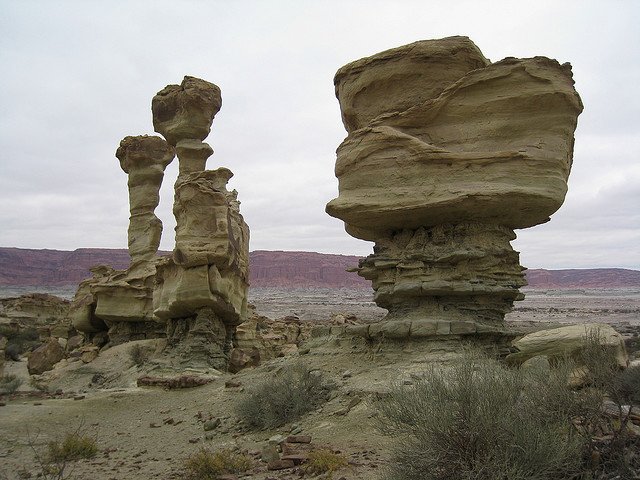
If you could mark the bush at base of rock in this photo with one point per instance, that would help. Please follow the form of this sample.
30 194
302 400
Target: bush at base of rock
9 384
324 461
289 394
479 419
208 465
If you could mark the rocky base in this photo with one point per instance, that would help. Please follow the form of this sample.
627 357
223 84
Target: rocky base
200 341
447 278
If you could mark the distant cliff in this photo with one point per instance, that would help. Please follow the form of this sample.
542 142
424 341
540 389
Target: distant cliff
20 266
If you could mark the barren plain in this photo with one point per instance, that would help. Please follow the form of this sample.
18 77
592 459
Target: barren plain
145 433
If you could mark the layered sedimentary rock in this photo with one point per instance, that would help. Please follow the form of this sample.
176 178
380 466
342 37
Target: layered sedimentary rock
210 261
201 292
144 159
446 155
197 296
113 297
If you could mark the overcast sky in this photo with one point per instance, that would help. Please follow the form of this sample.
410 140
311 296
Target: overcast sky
78 76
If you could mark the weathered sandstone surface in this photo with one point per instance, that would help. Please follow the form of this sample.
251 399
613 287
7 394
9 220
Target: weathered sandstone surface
446 155
197 296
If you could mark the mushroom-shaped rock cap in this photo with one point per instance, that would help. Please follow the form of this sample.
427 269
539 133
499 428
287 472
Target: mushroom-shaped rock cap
396 79
495 146
186 111
144 151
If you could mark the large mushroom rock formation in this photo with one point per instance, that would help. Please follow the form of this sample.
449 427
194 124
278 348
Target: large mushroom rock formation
202 290
446 155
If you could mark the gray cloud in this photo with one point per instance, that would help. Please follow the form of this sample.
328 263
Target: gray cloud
79 76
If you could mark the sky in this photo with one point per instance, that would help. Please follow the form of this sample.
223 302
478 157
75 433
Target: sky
78 76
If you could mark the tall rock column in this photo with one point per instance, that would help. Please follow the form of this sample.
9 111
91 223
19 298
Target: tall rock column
202 290
121 301
446 155
144 158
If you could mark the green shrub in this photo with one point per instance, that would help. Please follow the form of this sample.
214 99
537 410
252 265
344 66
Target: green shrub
138 355
324 461
622 387
285 397
9 384
19 341
479 420
208 465
74 447
56 462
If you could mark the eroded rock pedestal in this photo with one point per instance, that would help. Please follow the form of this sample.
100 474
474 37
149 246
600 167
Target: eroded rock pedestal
197 296
447 154
201 292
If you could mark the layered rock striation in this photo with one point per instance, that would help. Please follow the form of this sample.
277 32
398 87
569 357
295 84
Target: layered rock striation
196 297
446 154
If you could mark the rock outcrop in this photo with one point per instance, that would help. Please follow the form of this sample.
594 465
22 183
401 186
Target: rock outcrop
196 297
568 342
447 154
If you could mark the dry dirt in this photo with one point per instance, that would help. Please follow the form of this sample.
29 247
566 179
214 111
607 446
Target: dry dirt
145 433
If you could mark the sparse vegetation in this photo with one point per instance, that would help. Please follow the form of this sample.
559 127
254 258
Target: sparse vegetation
138 355
59 456
289 394
19 341
9 384
479 420
75 446
611 443
324 462
208 465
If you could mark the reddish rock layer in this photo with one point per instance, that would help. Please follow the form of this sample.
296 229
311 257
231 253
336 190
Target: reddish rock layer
267 269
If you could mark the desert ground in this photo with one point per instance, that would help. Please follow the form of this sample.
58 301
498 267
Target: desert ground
148 432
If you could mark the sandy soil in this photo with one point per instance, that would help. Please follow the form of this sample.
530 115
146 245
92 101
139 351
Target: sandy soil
146 433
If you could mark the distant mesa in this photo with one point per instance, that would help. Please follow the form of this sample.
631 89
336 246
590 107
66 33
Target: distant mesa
30 267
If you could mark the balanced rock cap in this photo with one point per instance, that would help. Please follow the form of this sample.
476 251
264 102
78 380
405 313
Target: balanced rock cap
143 151
186 111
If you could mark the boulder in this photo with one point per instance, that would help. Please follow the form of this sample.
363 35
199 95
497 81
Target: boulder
557 343
186 111
240 359
45 357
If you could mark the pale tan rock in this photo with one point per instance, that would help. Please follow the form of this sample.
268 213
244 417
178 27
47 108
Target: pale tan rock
144 158
45 357
82 310
568 341
399 78
196 298
210 229
193 155
181 292
186 111
271 338
446 155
